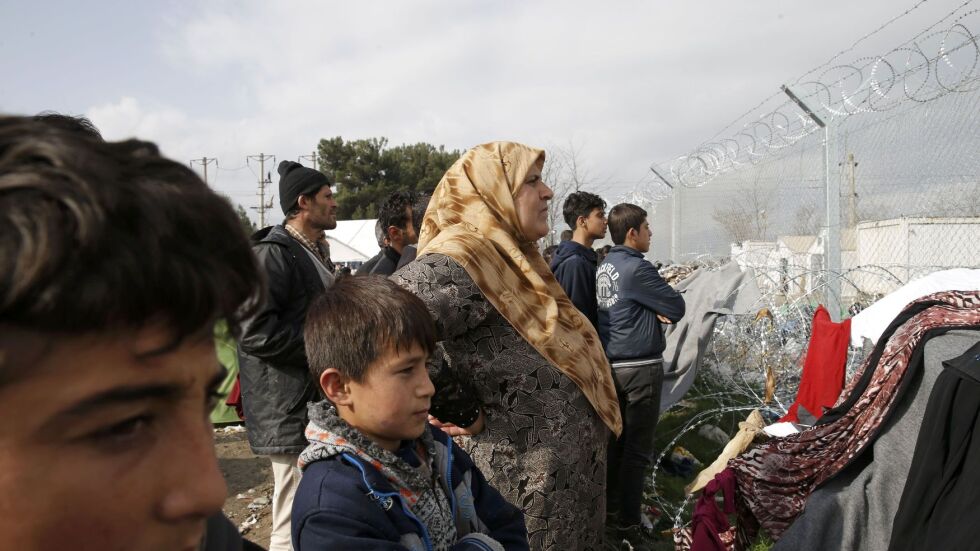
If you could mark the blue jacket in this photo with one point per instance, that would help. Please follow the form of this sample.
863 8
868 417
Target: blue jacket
630 294
574 266
343 502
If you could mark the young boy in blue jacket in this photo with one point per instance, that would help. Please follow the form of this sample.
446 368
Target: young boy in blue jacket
376 475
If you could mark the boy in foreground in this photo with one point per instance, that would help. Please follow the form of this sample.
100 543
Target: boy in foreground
116 265
376 474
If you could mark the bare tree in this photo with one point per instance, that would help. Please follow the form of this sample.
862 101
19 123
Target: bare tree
747 216
805 221
564 173
553 174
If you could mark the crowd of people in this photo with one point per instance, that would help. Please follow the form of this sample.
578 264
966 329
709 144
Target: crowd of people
457 392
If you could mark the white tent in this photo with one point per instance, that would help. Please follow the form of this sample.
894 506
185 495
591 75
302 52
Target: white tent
353 241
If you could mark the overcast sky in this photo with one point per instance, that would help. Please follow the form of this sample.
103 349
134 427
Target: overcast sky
628 83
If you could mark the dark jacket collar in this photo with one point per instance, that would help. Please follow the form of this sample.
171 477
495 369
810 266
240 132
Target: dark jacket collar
272 234
568 249
392 254
630 251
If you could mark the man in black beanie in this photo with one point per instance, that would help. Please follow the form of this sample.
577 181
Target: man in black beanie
275 380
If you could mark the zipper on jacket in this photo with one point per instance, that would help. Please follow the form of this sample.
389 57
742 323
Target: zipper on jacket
392 496
449 478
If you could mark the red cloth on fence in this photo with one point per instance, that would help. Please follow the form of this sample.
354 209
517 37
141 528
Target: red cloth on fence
824 366
709 523
235 399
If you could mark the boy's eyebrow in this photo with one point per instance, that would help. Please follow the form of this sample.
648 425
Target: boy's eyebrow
121 395
135 393
412 358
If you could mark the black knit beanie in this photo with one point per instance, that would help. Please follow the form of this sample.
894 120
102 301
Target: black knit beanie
295 180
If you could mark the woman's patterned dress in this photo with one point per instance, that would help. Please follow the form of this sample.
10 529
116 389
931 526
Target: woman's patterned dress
544 446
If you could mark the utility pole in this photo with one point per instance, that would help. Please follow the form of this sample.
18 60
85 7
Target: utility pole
204 161
265 179
311 157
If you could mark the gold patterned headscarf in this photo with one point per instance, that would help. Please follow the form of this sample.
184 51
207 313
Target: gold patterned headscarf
472 219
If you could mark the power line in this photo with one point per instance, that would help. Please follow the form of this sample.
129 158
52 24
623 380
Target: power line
311 157
204 162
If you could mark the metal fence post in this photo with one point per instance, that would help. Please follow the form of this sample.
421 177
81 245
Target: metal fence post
832 245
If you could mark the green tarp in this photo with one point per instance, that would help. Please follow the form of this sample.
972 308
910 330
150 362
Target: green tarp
227 351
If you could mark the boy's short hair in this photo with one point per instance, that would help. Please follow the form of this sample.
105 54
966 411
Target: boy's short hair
71 123
359 319
622 218
581 203
418 210
99 236
394 211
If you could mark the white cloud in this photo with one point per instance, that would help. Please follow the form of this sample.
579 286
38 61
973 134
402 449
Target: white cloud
631 82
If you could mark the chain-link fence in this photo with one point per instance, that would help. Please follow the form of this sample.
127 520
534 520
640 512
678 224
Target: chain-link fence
888 145
900 156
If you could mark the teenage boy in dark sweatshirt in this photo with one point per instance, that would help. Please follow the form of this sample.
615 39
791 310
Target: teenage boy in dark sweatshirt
634 302
574 262
376 475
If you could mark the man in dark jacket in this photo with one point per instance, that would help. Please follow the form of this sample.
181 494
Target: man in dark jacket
395 217
574 262
275 380
633 302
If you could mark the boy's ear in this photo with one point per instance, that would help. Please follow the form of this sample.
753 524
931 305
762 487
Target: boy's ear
335 387
393 233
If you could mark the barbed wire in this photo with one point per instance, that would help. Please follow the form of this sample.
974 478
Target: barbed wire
933 64
768 342
857 42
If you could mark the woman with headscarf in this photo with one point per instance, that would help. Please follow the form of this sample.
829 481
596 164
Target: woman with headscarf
523 370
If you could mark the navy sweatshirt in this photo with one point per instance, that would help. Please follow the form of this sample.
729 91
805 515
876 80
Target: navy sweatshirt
631 293
574 266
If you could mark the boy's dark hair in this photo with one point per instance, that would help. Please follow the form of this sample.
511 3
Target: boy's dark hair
356 320
622 218
418 210
379 233
98 236
70 123
394 211
580 203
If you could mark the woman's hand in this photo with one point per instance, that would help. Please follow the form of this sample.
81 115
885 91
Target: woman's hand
665 320
453 430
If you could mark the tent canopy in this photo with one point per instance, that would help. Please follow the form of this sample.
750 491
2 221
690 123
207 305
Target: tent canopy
353 241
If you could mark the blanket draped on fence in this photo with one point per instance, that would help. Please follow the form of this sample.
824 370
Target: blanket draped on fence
708 294
775 478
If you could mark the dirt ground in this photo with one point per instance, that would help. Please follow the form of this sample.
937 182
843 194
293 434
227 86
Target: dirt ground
249 478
